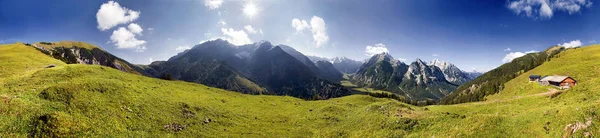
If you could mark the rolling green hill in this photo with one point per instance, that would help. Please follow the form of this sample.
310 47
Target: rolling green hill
493 81
523 109
77 100
89 100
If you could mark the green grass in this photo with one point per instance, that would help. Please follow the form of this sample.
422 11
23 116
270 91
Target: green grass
68 44
346 83
514 112
96 101
17 59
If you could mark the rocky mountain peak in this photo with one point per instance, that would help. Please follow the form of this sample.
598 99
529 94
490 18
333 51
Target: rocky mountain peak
418 63
381 57
452 73
443 65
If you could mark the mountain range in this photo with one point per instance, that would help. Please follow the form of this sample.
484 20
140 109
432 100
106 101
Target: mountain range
264 68
417 80
452 73
342 64
46 93
259 68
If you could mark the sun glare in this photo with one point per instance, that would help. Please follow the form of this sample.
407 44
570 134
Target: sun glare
250 9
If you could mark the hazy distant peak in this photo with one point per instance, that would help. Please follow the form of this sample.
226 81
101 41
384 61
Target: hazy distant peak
263 46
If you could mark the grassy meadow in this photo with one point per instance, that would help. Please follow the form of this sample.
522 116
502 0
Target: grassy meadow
96 101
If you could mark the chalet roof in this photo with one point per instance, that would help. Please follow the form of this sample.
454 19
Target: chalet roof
554 78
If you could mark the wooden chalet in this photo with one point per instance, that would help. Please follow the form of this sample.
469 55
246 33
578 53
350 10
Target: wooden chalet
563 82
534 78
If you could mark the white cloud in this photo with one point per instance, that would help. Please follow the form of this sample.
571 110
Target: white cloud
250 29
317 26
135 28
289 39
546 9
150 30
213 4
182 48
508 49
221 22
571 6
402 59
236 37
112 14
435 55
376 49
512 55
300 25
150 60
319 30
140 49
126 39
574 43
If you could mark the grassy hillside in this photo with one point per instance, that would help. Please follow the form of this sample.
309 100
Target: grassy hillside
95 101
527 109
66 44
493 81
19 59
89 100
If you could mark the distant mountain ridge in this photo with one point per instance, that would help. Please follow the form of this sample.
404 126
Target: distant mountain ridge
474 74
418 80
346 65
323 71
452 73
328 71
259 68
342 64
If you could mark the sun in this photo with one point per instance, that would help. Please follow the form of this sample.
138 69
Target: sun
250 9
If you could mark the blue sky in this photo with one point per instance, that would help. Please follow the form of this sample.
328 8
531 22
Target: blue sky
473 34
